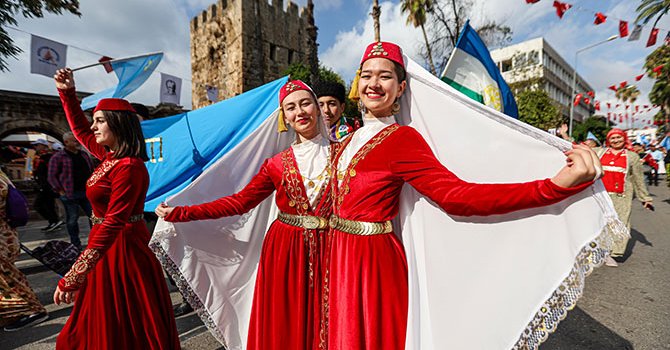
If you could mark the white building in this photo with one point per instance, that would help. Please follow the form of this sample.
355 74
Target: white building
535 58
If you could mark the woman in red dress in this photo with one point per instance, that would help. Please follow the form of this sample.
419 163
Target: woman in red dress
121 300
286 306
367 289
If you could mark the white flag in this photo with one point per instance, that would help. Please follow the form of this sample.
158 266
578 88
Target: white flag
170 89
635 35
212 93
46 56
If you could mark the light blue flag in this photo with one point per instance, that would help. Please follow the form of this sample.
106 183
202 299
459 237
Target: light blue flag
590 136
132 73
471 70
665 143
182 146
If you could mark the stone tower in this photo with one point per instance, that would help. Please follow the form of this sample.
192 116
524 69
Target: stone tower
237 45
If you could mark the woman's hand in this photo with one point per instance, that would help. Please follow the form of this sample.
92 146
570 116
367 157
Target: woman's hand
163 210
64 297
64 79
583 165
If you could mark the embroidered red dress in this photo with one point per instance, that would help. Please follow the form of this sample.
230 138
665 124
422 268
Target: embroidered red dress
122 301
367 287
286 310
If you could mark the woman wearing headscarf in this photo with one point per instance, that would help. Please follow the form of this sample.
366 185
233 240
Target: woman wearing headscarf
286 305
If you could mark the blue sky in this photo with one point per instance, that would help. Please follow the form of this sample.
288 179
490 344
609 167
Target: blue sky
123 28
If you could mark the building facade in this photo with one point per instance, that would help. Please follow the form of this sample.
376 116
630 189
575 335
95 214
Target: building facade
536 59
237 45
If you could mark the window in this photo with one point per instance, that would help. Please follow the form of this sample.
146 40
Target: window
506 65
290 56
273 52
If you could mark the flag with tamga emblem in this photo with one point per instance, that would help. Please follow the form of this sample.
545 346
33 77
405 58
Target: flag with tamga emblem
46 56
471 71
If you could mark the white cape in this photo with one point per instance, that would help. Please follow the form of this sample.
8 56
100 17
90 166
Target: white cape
497 282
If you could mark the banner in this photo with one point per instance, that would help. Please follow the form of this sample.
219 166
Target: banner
46 56
212 93
170 89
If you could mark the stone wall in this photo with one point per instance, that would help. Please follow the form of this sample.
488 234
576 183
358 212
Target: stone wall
237 45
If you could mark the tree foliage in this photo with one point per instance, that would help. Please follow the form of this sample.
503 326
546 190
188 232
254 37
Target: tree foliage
628 93
596 124
660 92
9 9
417 14
538 109
301 72
648 9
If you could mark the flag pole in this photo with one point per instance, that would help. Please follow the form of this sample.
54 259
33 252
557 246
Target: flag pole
115 60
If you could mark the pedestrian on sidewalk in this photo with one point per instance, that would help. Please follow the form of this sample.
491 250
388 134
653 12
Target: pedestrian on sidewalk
68 171
45 201
19 306
121 300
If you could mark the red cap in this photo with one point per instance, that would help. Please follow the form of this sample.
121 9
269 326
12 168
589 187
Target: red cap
114 104
291 87
383 49
617 132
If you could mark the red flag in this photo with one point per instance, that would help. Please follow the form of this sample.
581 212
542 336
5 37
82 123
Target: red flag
652 37
639 77
627 107
623 29
591 93
561 7
620 118
600 18
587 100
608 115
617 105
577 98
609 105
613 88
657 70
637 108
108 66
645 106
597 105
531 1
623 84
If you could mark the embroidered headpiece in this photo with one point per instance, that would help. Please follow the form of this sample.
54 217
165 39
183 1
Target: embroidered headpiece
289 88
380 49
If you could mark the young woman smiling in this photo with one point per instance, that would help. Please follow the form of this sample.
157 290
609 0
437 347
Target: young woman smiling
121 300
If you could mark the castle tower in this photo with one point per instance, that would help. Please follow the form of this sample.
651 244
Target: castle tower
237 45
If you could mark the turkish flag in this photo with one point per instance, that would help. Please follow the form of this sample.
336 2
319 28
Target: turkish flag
609 105
531 1
623 29
623 84
587 100
597 105
657 70
652 37
590 93
108 66
639 77
613 88
561 7
600 18
577 98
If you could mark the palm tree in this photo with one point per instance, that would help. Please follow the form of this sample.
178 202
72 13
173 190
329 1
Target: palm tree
628 93
416 15
650 8
660 92
376 11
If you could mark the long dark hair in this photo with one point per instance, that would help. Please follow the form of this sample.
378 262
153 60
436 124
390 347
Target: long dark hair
126 128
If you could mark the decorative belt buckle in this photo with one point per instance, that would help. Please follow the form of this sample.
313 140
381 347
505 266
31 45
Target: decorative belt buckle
332 221
310 222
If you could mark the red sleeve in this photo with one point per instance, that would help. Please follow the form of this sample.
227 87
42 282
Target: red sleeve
415 163
129 185
81 128
260 187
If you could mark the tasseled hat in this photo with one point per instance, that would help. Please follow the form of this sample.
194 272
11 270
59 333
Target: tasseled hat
380 49
114 104
289 88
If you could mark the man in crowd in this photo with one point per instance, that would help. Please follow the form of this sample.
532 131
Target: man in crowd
68 171
658 157
45 201
332 103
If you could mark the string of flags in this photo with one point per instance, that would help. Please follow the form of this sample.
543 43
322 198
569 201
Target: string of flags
581 97
600 18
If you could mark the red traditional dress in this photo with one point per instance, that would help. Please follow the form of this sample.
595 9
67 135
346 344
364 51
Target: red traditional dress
367 291
286 310
122 301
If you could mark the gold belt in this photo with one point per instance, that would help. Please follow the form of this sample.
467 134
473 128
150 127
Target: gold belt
305 221
134 218
361 228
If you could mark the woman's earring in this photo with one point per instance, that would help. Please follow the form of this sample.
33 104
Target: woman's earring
361 107
395 109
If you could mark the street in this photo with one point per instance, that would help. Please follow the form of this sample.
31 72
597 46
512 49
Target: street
622 308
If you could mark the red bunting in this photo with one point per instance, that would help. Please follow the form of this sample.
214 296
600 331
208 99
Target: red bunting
609 105
627 107
637 108
652 37
639 77
617 105
577 98
531 1
591 93
600 18
613 88
657 70
623 84
587 100
597 105
620 118
645 106
561 7
608 115
623 29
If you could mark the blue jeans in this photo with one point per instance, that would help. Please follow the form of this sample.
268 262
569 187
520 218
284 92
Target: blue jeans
72 206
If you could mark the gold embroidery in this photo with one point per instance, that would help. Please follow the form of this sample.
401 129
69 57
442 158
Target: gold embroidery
101 171
378 50
77 274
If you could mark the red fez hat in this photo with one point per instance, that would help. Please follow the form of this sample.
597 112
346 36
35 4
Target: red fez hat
114 104
380 49
289 88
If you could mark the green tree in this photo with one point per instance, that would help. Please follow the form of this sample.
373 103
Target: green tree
538 109
301 72
660 92
648 9
628 93
417 11
28 9
596 124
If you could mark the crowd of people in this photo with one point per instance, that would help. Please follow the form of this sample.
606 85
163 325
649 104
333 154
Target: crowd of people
332 272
